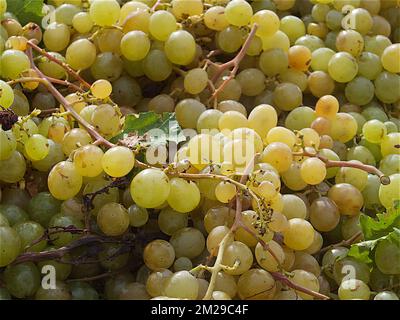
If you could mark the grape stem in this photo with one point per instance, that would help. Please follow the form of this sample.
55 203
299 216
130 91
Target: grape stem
234 63
67 68
385 180
343 243
60 98
42 81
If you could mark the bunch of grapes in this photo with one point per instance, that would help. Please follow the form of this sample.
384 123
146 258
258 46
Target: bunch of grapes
293 111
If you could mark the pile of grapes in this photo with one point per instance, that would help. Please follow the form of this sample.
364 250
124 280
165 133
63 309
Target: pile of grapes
276 176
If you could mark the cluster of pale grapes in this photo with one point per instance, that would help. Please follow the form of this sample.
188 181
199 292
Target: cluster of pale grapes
292 147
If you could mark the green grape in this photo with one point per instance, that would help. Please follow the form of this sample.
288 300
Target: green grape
113 219
305 261
56 37
334 19
361 154
188 242
344 127
386 85
184 196
87 161
42 207
83 291
65 13
391 126
133 68
390 58
324 214
61 292
353 176
104 13
180 47
107 119
293 207
256 284
281 134
6 94
296 77
230 39
305 279
278 40
37 147
81 54
113 256
188 112
252 81
52 69
300 118
61 239
13 168
182 8
82 22
350 227
320 84
22 280
287 96
238 13
8 144
389 143
107 65
371 192
28 232
4 294
359 91
215 237
273 62
267 21
386 295
126 92
234 253
298 227
208 120
267 260
311 42
135 45
374 131
182 285
347 197
101 89
195 81
316 245
374 111
54 156
354 289
171 221
146 185
64 181
182 264
225 192
13 64
350 41
342 67
156 65
10 244
377 44
319 12
313 171
138 216
369 65
3 221
13 213
293 27
156 281
74 139
390 164
320 59
162 24
214 18
388 194
118 161
158 254
279 155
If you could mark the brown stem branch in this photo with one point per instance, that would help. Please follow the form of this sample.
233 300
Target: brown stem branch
343 243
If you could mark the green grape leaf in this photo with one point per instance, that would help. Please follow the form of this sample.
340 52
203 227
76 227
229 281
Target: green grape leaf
363 251
26 10
155 128
385 222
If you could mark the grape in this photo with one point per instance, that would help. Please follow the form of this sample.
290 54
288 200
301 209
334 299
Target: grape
320 83
256 284
137 216
353 289
299 57
388 144
293 27
316 245
81 54
8 144
61 292
183 8
6 94
390 58
13 168
188 242
184 196
13 214
162 24
279 155
347 197
267 21
388 194
37 147
313 171
156 281
307 280
118 161
386 295
267 260
273 62
158 254
278 40
146 184
324 214
22 280
104 13
113 219
350 41
10 245
342 67
135 45
287 96
170 221
61 239
237 254
374 131
13 64
214 18
320 59
306 262
390 164
64 181
181 285
369 65
87 161
384 84
195 81
239 13
83 291
182 264
28 232
180 47
252 81
298 227
344 127
353 176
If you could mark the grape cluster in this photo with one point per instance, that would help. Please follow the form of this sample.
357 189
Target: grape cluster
293 108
